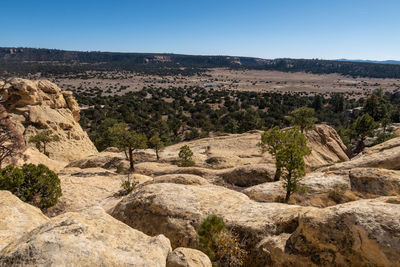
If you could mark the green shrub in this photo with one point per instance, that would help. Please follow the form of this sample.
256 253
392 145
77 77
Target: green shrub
221 246
121 169
128 186
186 154
36 185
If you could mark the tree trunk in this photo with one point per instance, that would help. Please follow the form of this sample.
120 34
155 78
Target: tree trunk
278 174
131 166
288 193
44 148
158 156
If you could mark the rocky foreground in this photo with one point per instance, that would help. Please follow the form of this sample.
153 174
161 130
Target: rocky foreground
348 214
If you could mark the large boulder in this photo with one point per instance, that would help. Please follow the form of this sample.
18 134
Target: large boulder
188 179
385 155
249 175
87 238
375 181
187 257
16 218
176 210
326 145
315 187
41 105
359 233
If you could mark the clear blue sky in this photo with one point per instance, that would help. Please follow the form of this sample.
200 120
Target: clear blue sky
329 29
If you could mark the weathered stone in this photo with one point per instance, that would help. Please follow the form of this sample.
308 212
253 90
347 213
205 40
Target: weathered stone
16 218
87 238
38 105
187 179
187 257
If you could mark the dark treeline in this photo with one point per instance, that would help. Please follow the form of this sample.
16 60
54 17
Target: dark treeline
178 114
21 61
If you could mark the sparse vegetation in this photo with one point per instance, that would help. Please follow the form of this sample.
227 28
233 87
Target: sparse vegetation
37 185
221 246
43 138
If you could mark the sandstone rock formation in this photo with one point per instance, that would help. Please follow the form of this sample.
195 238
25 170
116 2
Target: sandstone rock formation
315 183
326 145
385 155
187 257
374 181
87 238
363 232
40 105
359 233
90 187
188 179
16 218
249 175
176 210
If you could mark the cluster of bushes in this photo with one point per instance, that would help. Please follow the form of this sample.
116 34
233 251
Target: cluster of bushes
36 185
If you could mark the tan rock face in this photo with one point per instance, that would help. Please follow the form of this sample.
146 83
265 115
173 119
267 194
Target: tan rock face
326 145
385 155
187 257
235 150
359 233
87 238
249 175
188 179
39 105
176 210
315 183
16 218
375 181
84 188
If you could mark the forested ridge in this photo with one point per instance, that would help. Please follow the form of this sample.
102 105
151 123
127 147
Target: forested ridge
20 61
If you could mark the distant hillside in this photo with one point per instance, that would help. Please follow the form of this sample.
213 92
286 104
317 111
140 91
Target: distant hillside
396 62
20 61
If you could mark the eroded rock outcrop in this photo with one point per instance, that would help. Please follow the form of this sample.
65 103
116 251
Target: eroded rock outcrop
40 105
16 218
83 188
359 233
87 238
176 210
385 155
313 185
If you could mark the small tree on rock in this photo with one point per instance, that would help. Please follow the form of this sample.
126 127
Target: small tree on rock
364 126
11 142
303 118
127 141
290 159
186 154
157 144
43 138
